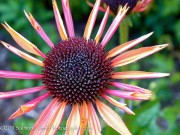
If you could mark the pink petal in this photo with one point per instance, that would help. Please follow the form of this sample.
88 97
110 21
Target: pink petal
118 104
41 124
91 20
68 17
113 27
28 106
123 47
102 26
134 55
22 42
56 120
129 95
19 75
22 54
93 121
73 122
137 75
59 22
39 29
17 93
111 118
130 87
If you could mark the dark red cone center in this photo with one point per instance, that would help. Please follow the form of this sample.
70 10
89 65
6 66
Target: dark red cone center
77 70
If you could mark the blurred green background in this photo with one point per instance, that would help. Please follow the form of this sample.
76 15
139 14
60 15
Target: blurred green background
159 116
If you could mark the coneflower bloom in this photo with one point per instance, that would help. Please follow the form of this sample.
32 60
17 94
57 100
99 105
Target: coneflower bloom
134 5
78 72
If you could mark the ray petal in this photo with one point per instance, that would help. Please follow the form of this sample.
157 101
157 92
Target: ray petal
41 124
91 20
115 24
83 119
17 93
112 119
123 47
93 121
56 120
28 106
39 29
102 26
130 87
118 104
59 22
22 54
73 122
23 42
129 95
68 17
137 54
19 75
137 75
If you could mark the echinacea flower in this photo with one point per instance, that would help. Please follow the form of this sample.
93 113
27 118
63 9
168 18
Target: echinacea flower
78 72
134 5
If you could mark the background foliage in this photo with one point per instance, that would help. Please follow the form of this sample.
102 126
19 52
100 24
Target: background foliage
159 116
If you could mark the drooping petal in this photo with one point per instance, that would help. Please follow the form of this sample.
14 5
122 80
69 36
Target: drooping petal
83 118
41 123
91 20
22 54
39 29
130 87
115 24
56 120
118 104
134 55
17 93
123 47
59 22
93 121
112 119
102 26
19 75
23 42
129 95
68 17
28 106
137 75
100 8
73 122
142 5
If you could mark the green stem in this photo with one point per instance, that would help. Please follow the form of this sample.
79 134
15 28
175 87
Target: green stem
124 37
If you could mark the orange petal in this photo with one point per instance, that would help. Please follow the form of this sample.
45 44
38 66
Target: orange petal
73 122
91 20
134 55
59 22
22 54
118 104
123 47
41 123
84 118
55 122
22 42
28 106
112 119
93 121
102 26
137 75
